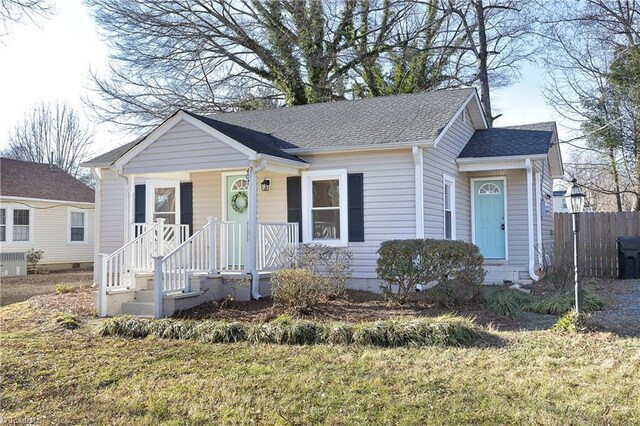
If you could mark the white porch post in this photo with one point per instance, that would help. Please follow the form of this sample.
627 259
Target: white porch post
102 284
419 188
157 287
211 222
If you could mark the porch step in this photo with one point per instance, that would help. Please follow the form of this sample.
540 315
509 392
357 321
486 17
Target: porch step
146 296
141 309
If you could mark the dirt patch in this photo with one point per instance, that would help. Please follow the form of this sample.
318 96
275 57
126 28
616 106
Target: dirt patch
79 303
360 306
19 289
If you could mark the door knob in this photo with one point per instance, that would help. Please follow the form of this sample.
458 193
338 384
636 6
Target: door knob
502 226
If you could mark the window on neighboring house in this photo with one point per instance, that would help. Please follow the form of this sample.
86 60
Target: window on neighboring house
449 184
20 225
3 224
325 206
77 227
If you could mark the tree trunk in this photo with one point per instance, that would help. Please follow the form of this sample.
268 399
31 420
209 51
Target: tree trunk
483 73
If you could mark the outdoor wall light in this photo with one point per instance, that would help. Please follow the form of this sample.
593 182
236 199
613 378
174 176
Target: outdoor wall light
265 184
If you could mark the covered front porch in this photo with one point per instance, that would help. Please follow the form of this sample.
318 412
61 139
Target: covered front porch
186 227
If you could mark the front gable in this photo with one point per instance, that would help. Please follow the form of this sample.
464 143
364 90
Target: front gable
185 146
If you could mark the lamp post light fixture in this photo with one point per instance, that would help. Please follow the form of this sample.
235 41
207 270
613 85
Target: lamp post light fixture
575 203
265 184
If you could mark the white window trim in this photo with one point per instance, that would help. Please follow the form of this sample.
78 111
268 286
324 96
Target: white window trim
446 179
85 225
9 223
307 194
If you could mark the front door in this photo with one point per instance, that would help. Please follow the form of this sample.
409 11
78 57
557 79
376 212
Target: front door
489 218
237 214
163 202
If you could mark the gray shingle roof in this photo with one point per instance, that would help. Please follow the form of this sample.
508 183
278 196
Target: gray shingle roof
371 121
38 180
528 139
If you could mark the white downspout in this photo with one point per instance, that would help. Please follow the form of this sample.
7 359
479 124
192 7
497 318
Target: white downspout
532 272
540 249
252 230
418 161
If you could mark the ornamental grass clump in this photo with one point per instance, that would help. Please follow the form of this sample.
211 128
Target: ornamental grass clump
574 322
285 330
509 302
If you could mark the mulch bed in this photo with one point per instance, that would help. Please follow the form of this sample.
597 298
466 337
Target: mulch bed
79 303
358 306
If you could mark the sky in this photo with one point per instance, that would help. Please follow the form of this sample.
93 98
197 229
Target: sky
51 61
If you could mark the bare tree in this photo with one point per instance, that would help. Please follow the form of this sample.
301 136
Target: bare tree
496 42
12 11
51 133
585 39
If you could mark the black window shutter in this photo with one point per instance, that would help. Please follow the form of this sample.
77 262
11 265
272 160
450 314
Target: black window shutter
356 207
140 204
186 205
294 202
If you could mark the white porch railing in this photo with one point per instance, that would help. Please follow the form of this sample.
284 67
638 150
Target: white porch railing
233 240
118 268
276 242
172 235
195 254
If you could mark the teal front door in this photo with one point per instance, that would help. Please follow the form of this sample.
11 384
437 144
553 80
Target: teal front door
237 214
490 225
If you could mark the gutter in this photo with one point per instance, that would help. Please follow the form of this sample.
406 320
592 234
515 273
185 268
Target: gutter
532 272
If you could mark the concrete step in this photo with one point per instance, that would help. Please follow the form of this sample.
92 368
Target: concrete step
144 296
141 309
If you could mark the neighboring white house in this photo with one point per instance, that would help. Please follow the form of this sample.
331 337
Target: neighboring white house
45 208
559 202
249 185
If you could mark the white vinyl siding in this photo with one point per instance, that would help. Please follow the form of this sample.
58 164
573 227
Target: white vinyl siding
49 232
185 148
207 197
437 162
389 199
113 204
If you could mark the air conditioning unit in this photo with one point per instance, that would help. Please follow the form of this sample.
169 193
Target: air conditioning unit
13 264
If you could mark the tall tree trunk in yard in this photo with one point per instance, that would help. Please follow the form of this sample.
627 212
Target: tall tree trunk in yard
483 72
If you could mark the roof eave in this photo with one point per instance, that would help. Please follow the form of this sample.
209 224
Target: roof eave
423 143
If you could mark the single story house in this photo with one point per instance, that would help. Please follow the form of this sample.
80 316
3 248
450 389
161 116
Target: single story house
203 199
44 208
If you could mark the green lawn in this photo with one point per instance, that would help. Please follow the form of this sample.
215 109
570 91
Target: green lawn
57 376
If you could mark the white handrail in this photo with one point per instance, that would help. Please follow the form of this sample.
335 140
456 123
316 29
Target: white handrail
119 268
196 254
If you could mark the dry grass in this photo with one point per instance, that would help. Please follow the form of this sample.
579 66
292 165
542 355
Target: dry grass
54 375
19 289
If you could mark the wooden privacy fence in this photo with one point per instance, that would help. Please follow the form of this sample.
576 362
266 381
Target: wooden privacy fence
597 245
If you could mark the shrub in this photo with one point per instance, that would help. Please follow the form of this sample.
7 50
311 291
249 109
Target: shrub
574 322
297 289
456 293
33 257
443 331
557 266
403 264
334 263
68 321
64 288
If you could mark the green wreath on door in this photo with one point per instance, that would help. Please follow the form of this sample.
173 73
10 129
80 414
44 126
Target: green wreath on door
240 202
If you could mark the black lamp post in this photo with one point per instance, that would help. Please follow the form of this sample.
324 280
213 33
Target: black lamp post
575 203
